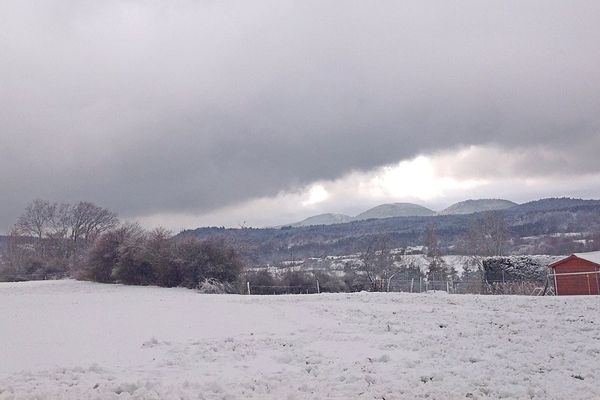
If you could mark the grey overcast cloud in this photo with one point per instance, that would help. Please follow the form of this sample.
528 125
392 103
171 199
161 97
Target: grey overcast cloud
188 113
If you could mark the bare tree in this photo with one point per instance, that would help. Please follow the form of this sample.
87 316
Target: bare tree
59 230
89 220
36 220
394 267
61 221
368 262
82 221
593 243
488 235
437 266
377 263
53 235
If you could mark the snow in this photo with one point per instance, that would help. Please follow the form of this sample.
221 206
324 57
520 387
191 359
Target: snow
592 256
79 340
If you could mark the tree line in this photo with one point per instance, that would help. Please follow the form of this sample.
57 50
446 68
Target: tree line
52 238
87 241
487 236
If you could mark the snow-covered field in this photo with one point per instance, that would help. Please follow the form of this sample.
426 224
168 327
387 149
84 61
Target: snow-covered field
76 340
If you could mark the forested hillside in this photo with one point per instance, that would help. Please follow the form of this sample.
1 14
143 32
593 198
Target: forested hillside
548 226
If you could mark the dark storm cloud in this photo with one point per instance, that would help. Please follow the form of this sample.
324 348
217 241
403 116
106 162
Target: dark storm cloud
147 106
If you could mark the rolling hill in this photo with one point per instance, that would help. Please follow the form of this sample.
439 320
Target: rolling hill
479 205
395 210
323 219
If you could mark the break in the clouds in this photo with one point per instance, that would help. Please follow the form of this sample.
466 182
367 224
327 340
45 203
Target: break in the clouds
434 181
198 108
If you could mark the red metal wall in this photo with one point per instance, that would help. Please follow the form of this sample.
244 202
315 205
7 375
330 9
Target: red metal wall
576 284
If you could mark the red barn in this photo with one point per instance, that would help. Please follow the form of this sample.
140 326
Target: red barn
577 274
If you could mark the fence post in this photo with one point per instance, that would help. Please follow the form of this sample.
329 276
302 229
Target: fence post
420 284
248 286
447 286
318 288
412 282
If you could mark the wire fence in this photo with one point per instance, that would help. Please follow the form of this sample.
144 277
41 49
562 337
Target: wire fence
414 285
520 287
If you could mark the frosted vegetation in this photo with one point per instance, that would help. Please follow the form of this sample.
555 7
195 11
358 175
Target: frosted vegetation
86 241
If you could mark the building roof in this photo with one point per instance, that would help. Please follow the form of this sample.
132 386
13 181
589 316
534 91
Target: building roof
592 256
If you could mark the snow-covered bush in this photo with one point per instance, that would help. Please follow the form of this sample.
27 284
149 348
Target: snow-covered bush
207 259
514 268
213 286
133 256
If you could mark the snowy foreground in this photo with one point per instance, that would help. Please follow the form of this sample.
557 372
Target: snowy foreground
76 340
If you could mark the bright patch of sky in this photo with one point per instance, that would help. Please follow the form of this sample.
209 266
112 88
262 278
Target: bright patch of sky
435 181
316 194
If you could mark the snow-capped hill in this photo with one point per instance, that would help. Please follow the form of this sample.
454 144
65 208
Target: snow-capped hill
395 210
479 205
324 219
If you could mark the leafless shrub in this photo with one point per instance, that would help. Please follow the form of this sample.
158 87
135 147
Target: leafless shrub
213 286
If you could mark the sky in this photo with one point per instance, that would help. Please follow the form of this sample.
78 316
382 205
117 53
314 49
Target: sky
235 113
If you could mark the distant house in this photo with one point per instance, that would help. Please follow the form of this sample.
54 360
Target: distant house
577 274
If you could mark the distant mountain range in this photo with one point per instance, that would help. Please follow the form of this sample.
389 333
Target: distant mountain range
408 210
547 226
